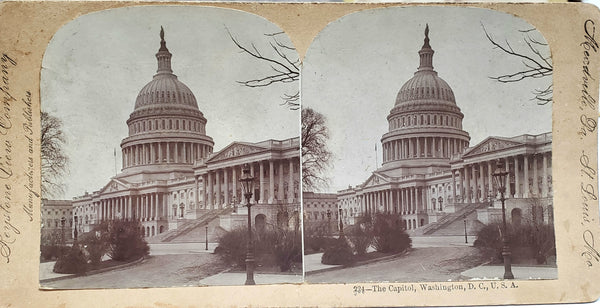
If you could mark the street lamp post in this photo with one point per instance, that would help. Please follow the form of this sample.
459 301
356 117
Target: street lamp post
341 225
329 222
62 229
206 237
247 181
500 179
465 221
75 230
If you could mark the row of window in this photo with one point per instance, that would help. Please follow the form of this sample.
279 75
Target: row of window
424 119
176 124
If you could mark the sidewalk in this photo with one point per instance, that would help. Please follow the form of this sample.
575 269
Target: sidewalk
312 264
47 273
488 272
239 278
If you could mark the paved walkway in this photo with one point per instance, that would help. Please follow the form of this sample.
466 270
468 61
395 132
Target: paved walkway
239 278
442 241
47 274
312 263
46 271
488 272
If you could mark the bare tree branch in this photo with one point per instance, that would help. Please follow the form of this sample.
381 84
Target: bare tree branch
315 154
54 159
285 70
536 63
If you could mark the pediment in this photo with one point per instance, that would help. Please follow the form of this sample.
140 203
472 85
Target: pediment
234 150
374 180
491 144
113 186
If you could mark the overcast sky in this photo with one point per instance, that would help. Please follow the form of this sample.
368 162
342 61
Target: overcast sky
355 67
95 66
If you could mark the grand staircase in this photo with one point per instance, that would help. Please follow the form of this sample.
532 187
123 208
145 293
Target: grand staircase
452 223
191 227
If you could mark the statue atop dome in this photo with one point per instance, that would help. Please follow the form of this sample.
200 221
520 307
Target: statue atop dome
162 34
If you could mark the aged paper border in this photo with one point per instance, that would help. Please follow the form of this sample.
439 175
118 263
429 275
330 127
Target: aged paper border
27 27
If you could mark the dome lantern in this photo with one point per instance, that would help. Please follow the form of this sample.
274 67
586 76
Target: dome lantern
163 56
426 53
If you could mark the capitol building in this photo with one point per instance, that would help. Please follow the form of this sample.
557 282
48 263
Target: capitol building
434 178
175 183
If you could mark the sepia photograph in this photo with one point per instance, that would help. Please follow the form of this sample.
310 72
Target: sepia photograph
434 127
170 151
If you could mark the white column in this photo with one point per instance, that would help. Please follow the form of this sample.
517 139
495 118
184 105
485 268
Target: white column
168 153
271 182
525 176
280 187
196 193
453 186
544 175
211 190
291 180
234 184
517 178
261 170
536 190
226 180
204 195
157 212
481 182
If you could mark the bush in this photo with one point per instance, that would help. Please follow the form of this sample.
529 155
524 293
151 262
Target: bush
339 253
233 246
279 246
72 262
538 238
287 249
52 252
314 242
126 242
361 235
388 235
96 246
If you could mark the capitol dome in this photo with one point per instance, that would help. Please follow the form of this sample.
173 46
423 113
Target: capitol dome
425 124
165 91
167 131
425 84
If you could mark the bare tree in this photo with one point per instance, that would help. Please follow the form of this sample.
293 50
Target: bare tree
284 63
54 159
536 61
315 154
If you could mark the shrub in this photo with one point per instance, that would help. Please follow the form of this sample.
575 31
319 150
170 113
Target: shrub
96 245
72 262
287 249
126 241
361 235
280 246
233 246
538 238
339 253
388 235
52 252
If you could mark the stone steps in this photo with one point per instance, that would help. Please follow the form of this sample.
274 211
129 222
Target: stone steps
195 224
451 218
